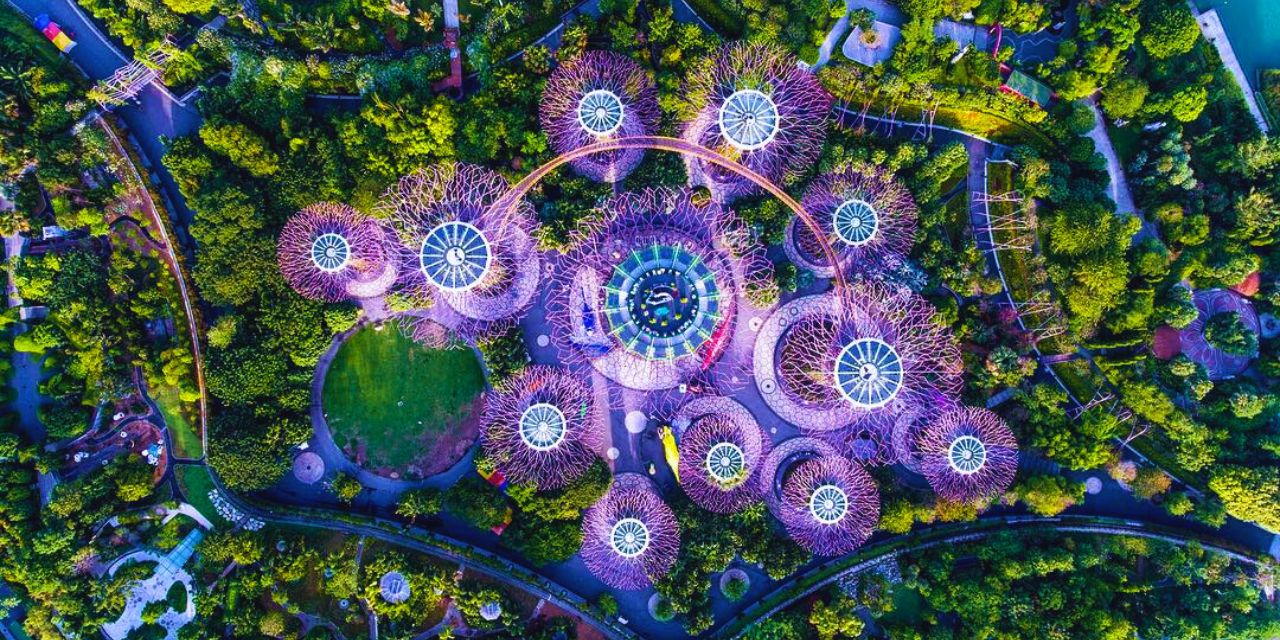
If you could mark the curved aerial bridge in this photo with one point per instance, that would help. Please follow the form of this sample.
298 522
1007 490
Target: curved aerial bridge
685 148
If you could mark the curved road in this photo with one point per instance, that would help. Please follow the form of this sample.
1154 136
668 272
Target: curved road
791 591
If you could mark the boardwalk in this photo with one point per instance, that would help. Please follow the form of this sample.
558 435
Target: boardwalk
1211 27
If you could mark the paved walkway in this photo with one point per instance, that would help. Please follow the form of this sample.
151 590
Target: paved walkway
1119 186
156 588
1211 27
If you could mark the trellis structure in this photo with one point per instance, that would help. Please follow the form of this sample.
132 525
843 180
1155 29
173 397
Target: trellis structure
968 455
1041 317
484 264
542 426
331 252
649 295
630 538
129 80
1011 231
754 104
720 459
830 506
825 362
598 96
867 214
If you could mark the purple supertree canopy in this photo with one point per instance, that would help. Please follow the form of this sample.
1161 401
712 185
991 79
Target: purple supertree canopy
830 506
720 460
630 538
648 296
328 250
483 263
869 441
755 105
542 426
968 455
825 362
867 214
599 96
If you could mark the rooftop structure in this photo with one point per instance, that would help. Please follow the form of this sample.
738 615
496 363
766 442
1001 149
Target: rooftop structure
867 214
331 252
825 362
648 297
542 427
483 264
754 104
967 455
721 454
830 506
599 96
393 587
630 537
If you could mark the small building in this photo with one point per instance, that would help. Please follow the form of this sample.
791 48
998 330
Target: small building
965 34
872 46
53 232
1024 85
393 587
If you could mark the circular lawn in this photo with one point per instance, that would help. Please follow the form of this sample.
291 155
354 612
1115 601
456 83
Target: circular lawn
400 409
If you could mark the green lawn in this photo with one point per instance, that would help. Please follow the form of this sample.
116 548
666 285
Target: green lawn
196 485
186 436
404 404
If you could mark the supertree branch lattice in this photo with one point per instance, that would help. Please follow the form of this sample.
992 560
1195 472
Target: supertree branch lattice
867 214
483 264
648 296
630 538
830 506
599 96
331 252
754 104
870 440
968 455
720 459
542 426
825 362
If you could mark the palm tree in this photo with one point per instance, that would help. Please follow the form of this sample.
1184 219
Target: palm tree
425 20
17 81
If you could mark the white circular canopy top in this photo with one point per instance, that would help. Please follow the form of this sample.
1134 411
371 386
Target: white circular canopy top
855 222
542 426
868 373
330 252
828 504
725 462
967 455
455 256
748 119
629 538
600 112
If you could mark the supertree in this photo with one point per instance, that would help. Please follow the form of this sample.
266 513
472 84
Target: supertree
968 455
600 96
830 506
825 362
754 104
541 426
720 459
331 252
630 538
482 262
867 214
648 296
